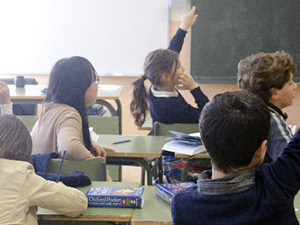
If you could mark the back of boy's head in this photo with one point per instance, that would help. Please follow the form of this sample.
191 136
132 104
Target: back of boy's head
263 71
232 126
15 139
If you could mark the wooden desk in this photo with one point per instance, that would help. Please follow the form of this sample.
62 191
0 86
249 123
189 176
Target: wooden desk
99 214
32 94
155 211
137 150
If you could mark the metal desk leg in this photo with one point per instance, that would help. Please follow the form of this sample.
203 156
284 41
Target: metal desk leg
160 170
190 162
140 161
119 113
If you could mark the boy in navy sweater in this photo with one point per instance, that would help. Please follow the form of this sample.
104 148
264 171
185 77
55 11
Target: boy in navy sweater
234 128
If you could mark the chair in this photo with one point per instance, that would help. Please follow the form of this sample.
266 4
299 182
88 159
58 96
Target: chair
107 125
104 125
94 168
8 80
12 80
25 109
29 121
31 81
161 129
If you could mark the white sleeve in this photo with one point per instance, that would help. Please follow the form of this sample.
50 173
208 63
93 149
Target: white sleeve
6 109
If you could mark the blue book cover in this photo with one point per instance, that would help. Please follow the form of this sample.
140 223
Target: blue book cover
119 197
167 191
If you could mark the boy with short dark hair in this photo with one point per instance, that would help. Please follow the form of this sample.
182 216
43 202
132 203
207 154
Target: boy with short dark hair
234 127
270 76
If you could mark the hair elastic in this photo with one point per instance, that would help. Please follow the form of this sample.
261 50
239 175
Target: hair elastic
144 77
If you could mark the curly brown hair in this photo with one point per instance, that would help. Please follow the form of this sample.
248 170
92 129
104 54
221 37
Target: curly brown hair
263 71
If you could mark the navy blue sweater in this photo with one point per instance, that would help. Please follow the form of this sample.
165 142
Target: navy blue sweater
268 201
176 109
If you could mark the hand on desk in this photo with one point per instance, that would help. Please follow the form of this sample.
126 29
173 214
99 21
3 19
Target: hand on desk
101 150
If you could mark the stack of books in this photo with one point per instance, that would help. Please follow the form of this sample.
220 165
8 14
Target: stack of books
184 144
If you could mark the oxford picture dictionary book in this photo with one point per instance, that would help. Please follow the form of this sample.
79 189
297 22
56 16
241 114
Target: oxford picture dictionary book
119 197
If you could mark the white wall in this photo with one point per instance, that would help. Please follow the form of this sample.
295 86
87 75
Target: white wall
114 35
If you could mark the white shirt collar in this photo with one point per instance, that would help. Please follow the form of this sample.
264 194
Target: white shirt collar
164 94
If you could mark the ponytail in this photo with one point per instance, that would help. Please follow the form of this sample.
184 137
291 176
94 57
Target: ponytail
139 104
156 63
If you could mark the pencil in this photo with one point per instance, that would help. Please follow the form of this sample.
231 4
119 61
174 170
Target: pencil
60 166
119 142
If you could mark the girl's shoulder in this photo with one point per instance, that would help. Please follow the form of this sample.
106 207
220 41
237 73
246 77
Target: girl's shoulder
51 107
15 167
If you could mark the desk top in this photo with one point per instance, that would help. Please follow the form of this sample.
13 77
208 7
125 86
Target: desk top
35 92
203 155
139 146
94 213
155 211
297 205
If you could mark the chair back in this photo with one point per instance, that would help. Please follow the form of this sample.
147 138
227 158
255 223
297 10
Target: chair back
31 81
12 80
162 129
107 125
104 124
94 168
8 80
29 121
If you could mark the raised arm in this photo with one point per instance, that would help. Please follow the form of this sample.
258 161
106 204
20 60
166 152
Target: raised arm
186 22
286 168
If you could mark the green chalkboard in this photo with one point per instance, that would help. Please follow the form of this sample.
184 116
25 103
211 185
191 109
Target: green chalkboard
229 30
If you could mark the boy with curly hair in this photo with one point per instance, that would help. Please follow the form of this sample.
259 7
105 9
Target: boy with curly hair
270 76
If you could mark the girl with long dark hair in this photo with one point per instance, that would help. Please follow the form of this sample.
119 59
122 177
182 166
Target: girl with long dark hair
63 123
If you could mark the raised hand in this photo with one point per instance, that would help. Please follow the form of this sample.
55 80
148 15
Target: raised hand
189 19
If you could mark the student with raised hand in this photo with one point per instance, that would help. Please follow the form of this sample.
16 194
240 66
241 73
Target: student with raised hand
270 76
63 123
163 69
22 191
239 190
5 103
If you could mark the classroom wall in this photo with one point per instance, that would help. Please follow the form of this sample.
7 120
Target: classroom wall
210 89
